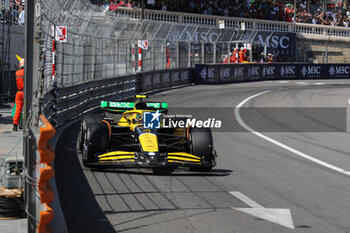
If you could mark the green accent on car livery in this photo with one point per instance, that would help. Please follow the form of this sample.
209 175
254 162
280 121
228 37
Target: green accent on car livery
157 105
164 105
121 105
104 104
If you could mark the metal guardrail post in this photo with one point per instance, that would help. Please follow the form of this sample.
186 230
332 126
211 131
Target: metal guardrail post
31 108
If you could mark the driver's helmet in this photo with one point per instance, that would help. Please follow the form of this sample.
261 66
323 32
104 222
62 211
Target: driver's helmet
139 118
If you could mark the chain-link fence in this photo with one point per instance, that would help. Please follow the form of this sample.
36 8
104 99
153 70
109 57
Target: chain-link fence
103 45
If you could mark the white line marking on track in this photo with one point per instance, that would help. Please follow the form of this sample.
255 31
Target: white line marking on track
318 84
277 143
281 217
245 199
302 83
284 81
349 101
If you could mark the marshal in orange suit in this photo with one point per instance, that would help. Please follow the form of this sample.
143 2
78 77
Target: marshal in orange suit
19 95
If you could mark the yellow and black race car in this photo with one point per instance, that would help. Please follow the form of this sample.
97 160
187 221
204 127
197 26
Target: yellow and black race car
121 138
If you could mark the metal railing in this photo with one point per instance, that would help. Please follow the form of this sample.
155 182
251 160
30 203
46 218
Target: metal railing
231 22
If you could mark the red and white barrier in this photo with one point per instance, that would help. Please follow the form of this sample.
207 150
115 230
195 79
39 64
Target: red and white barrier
140 60
53 60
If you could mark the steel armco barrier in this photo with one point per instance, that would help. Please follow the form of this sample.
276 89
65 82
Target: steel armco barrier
246 72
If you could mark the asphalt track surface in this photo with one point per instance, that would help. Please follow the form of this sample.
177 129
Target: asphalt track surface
135 200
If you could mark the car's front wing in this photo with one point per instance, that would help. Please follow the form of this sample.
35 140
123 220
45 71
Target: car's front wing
138 159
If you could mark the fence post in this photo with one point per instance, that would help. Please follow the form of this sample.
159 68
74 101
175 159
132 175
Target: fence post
189 54
164 54
151 44
127 47
202 52
214 53
177 54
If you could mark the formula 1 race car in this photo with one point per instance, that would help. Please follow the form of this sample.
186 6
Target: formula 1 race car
119 138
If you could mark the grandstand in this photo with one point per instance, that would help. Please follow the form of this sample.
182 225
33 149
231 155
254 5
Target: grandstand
331 12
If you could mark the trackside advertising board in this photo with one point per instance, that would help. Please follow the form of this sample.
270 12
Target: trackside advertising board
230 73
166 78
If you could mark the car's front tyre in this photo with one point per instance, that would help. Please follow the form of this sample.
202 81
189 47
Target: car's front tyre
95 139
201 144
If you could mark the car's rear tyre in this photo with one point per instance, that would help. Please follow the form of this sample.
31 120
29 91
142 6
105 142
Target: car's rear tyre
201 144
95 139
80 141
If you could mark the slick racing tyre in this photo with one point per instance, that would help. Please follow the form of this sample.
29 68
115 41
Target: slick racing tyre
80 141
95 139
201 144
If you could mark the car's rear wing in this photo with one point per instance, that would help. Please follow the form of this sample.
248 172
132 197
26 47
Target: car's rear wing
115 106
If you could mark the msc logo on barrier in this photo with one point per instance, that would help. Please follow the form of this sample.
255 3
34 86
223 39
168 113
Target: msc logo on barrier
175 77
311 70
269 71
203 74
238 73
253 71
339 70
225 74
166 78
147 82
207 74
157 79
287 70
185 76
151 120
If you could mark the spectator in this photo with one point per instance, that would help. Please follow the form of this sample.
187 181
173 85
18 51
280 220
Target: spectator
113 5
305 11
164 6
129 4
21 16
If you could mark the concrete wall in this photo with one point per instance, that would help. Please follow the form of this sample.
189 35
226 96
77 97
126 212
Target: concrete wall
316 49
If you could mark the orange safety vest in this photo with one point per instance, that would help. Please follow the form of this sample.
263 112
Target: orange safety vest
233 57
20 79
241 56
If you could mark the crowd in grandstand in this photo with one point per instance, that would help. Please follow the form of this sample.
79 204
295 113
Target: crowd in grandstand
306 11
311 11
13 11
